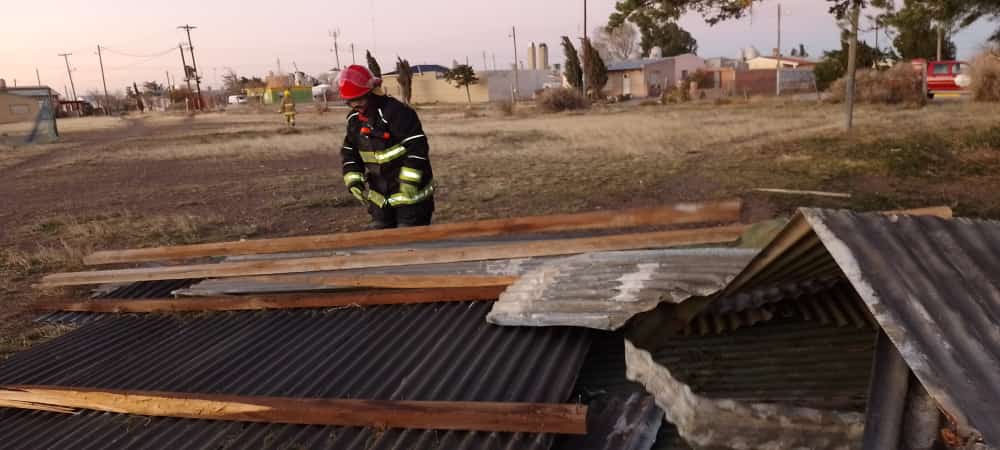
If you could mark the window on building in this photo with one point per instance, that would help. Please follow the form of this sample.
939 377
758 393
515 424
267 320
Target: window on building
19 109
684 74
940 69
957 68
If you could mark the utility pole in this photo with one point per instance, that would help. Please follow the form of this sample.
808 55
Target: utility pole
583 51
38 76
194 64
494 61
777 75
336 49
184 67
513 34
70 73
104 81
354 56
486 66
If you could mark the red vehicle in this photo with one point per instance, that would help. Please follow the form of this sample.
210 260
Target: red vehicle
945 78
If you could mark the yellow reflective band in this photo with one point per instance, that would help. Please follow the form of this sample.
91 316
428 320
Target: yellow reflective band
411 175
403 199
384 156
353 177
376 198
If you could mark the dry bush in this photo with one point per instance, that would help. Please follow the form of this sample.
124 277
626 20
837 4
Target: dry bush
504 107
677 94
561 99
899 84
986 78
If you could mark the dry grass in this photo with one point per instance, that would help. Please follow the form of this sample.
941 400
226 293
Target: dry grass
35 334
986 78
899 84
561 99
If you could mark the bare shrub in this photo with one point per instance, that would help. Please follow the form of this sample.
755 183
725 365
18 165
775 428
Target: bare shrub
899 84
561 99
986 78
504 107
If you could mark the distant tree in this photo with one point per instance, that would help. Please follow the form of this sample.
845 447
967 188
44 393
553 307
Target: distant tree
373 64
405 78
462 75
231 83
834 63
597 72
919 22
715 11
618 43
573 71
153 88
802 51
668 36
795 52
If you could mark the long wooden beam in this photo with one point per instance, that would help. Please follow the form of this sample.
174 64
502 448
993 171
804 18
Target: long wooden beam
683 213
469 416
262 302
556 247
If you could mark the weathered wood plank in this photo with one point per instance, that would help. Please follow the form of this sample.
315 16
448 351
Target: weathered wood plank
262 302
470 416
683 213
555 247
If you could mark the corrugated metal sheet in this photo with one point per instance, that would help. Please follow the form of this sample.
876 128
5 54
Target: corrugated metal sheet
622 421
604 290
934 287
837 305
784 361
443 352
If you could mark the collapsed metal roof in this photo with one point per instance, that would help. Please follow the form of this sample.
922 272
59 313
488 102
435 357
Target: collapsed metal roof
932 284
934 287
441 352
604 290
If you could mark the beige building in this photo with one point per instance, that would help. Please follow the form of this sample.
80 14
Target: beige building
648 77
16 108
771 62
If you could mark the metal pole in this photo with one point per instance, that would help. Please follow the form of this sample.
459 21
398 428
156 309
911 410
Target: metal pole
354 56
485 65
187 79
70 73
778 73
584 47
336 48
194 63
516 77
104 81
886 397
38 77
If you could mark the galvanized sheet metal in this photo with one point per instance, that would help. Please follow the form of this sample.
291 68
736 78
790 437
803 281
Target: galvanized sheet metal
443 352
934 287
604 290
618 422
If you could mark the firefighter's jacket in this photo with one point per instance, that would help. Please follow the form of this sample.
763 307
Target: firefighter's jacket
384 148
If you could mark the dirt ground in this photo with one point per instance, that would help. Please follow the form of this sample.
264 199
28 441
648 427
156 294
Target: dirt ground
160 179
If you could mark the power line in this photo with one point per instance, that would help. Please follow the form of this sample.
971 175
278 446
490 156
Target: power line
131 55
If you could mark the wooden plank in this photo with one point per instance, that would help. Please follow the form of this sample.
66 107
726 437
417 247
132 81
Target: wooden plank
262 302
799 192
467 416
682 213
557 247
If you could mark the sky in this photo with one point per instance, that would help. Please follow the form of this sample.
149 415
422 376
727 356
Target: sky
249 36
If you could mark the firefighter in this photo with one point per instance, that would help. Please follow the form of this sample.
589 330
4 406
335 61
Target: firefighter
385 154
288 108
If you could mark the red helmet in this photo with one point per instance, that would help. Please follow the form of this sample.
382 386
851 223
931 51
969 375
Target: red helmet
356 81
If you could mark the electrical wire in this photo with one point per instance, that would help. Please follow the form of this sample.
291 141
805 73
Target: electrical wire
131 55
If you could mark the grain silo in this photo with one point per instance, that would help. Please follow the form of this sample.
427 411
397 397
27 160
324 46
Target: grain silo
531 57
543 56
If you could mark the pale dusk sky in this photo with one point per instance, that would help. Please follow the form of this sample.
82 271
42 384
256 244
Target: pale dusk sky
249 35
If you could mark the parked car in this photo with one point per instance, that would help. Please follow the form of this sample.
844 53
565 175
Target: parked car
946 77
237 99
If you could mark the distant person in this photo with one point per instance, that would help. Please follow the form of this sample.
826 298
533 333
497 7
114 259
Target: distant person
385 154
288 108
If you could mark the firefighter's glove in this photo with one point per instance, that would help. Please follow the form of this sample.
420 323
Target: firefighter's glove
359 194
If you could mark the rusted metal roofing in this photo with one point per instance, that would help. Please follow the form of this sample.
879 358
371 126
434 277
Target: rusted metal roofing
604 290
621 421
934 287
443 352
